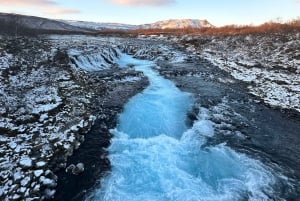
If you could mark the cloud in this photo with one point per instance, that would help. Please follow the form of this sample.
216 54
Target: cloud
60 11
48 7
142 2
27 3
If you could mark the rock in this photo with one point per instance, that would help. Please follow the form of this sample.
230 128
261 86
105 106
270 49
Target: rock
49 193
15 197
43 117
17 176
37 188
40 164
12 145
38 173
26 181
76 170
22 190
25 162
70 168
61 57
14 187
50 175
47 182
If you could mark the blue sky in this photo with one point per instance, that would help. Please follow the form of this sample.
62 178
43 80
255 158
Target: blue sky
218 12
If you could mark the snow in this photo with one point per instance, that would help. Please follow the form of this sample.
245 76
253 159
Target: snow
269 64
40 164
45 108
178 24
17 176
5 59
38 173
33 91
52 104
43 117
26 162
25 181
172 24
99 25
47 182
12 145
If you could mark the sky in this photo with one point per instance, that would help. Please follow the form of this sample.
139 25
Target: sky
217 12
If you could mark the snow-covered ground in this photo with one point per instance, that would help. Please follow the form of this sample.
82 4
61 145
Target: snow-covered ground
268 63
40 118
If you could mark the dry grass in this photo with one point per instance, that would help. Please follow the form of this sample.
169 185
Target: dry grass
266 28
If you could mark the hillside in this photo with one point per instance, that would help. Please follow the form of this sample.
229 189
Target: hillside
99 25
12 23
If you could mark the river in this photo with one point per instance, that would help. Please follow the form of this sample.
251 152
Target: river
155 156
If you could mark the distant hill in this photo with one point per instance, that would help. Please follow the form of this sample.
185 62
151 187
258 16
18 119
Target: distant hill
18 23
178 24
99 25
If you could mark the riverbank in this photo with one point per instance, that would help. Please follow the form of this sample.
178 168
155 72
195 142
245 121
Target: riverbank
241 120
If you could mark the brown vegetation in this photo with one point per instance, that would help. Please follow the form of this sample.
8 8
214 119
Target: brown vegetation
270 27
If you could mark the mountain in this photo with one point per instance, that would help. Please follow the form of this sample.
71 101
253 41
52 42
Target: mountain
22 22
18 24
178 24
166 24
99 26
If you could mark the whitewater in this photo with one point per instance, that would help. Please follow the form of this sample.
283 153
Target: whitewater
155 156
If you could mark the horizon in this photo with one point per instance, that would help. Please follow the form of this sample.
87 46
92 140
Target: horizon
231 12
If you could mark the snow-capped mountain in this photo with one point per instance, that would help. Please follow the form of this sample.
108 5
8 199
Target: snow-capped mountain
99 25
165 24
178 24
